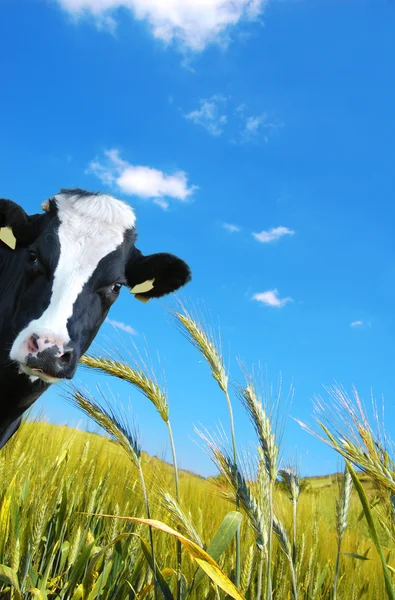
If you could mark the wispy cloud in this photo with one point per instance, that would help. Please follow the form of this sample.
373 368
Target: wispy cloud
209 116
123 326
142 181
218 114
192 24
230 227
252 124
257 126
162 203
273 235
270 298
357 324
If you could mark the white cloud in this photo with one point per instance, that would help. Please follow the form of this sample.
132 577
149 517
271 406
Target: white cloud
122 326
356 324
209 115
230 227
240 109
273 235
192 23
219 114
270 298
144 182
147 182
162 203
252 124
257 125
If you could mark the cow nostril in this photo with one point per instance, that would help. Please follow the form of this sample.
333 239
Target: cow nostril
66 358
32 343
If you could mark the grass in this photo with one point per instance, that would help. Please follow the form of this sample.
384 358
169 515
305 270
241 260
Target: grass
256 531
51 474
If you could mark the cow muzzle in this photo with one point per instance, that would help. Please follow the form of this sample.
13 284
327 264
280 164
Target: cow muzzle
46 356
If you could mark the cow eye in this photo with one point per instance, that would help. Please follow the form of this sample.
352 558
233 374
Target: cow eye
32 255
116 288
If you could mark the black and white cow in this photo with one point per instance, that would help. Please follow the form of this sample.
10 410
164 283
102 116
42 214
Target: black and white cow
57 286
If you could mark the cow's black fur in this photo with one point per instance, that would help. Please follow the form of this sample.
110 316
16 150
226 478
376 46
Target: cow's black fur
26 291
17 392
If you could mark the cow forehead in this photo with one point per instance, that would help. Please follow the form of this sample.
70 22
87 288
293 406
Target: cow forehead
78 207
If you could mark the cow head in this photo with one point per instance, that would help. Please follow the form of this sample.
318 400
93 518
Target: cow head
76 257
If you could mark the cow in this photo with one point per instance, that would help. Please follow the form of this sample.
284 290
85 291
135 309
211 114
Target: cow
58 284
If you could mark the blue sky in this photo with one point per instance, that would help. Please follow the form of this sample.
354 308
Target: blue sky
256 141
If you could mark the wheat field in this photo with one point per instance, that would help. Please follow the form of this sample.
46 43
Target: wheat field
85 516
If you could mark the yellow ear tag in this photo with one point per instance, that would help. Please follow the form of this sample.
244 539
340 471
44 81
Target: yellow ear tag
140 288
142 299
8 237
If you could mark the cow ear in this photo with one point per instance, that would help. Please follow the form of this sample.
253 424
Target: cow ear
11 213
155 275
16 227
11 216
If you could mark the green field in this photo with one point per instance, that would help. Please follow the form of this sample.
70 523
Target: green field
56 483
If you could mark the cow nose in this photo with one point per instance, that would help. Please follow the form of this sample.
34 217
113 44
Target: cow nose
50 355
67 357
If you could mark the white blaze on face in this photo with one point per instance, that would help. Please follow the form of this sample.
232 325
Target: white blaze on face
90 228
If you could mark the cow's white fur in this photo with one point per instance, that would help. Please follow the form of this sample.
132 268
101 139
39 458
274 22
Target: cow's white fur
90 228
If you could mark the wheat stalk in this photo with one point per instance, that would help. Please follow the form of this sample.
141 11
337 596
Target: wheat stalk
267 439
182 522
119 428
206 345
342 508
247 570
347 430
286 546
238 483
291 480
113 422
263 427
137 378
151 390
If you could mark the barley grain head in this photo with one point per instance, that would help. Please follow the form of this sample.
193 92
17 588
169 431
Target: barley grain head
291 479
199 336
239 486
112 420
136 377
